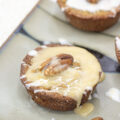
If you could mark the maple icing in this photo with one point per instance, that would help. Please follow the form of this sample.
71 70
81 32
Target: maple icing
71 82
85 109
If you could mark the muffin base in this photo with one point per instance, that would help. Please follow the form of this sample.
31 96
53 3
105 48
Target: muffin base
84 20
51 100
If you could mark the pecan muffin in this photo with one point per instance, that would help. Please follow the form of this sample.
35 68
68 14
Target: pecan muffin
91 15
60 77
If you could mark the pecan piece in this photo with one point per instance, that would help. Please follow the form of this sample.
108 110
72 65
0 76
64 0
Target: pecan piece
98 118
93 1
56 64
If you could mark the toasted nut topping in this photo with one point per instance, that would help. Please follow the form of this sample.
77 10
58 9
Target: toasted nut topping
44 64
93 1
56 64
98 118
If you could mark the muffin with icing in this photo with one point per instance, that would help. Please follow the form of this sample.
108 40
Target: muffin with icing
91 15
60 77
117 48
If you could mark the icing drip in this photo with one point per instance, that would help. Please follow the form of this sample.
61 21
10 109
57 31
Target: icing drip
32 53
118 43
102 5
85 109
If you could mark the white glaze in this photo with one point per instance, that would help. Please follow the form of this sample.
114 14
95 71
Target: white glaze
40 90
37 83
102 5
23 76
43 46
89 88
114 94
118 43
23 63
43 90
32 53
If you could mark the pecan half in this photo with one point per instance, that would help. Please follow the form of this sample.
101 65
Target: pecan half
98 118
93 1
56 64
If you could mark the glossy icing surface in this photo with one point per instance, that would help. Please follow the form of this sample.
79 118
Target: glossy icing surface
71 82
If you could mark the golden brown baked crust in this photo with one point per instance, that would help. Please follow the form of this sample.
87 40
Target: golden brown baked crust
50 100
87 21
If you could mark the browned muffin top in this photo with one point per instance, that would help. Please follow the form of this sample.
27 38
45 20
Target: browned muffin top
66 70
